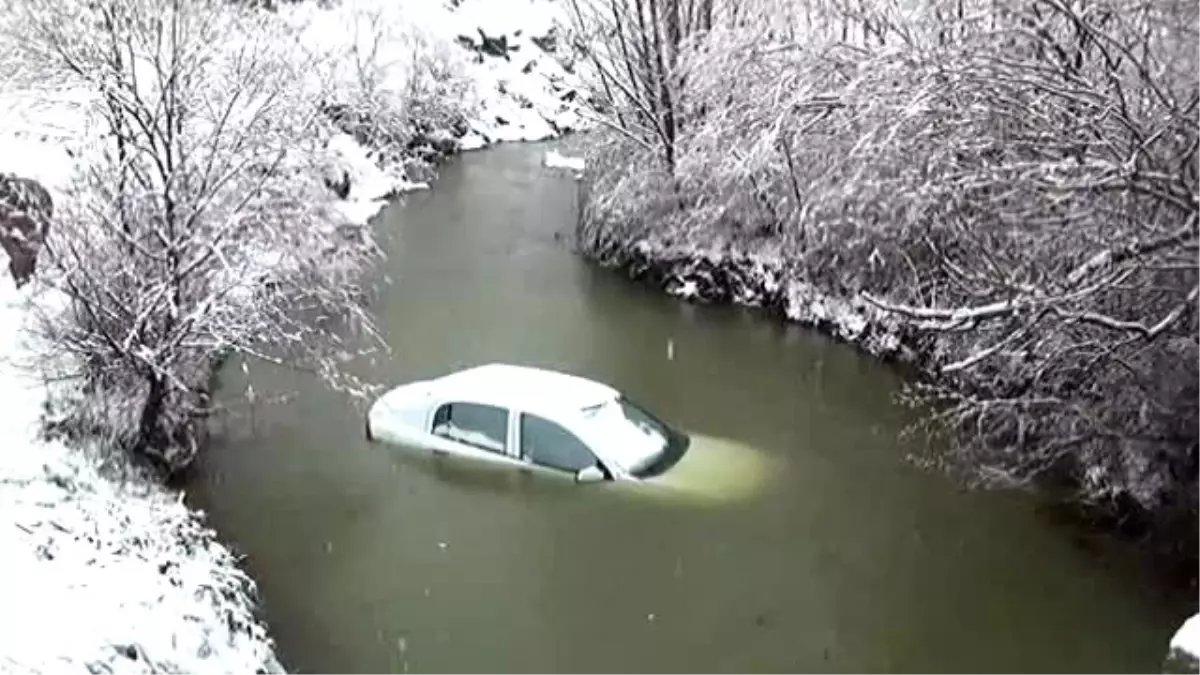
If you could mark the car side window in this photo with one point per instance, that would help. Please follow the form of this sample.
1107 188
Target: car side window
548 444
481 426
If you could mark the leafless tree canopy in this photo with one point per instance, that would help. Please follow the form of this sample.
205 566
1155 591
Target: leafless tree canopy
1017 181
201 227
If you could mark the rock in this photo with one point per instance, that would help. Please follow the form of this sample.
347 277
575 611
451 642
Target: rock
272 5
494 46
128 651
445 143
340 186
547 42
1180 661
419 170
26 209
431 145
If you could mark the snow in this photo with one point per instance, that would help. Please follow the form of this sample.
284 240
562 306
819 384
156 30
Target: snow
525 97
103 572
852 319
1187 638
529 96
370 185
762 278
107 570
39 133
556 160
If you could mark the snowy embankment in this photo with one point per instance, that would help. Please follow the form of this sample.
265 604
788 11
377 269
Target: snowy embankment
520 73
106 569
761 278
1184 653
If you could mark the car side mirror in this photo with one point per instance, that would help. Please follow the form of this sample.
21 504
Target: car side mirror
590 474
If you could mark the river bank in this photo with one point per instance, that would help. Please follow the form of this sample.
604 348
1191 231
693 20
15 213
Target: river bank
111 571
763 278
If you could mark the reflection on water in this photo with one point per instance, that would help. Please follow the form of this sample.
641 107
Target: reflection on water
840 556
716 471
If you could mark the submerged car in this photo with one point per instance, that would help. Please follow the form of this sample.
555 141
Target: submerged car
531 419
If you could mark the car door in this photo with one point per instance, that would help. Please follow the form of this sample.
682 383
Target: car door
472 430
552 449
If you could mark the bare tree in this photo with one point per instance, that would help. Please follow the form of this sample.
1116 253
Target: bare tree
634 49
201 229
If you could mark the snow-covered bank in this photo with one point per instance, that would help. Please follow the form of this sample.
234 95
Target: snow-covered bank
556 160
531 93
761 278
108 574
1184 654
509 68
108 570
104 570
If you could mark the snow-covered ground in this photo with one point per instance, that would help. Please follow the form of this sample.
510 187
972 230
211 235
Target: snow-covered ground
117 574
531 93
1185 645
105 574
556 160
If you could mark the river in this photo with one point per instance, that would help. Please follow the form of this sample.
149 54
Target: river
850 559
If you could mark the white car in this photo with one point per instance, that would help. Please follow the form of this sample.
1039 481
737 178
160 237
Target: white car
529 418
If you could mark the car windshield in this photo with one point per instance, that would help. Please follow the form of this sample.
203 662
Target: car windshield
667 445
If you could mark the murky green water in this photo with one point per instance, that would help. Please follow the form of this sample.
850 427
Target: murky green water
849 560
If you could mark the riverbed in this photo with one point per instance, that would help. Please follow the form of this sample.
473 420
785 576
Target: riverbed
849 559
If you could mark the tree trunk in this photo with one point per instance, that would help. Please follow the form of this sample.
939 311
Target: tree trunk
150 433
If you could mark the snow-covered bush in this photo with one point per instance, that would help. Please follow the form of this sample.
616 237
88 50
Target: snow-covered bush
395 84
1016 182
200 227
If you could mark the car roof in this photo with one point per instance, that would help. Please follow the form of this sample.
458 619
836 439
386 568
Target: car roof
524 387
